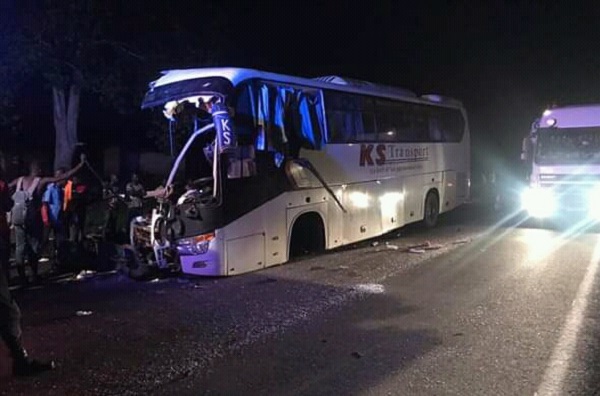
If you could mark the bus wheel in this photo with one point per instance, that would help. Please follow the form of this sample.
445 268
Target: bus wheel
432 209
308 235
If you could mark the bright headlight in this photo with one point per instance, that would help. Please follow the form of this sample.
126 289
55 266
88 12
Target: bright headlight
539 202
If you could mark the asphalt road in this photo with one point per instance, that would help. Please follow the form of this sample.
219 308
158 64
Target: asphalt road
491 309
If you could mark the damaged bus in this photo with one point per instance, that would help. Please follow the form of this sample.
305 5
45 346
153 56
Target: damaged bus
277 166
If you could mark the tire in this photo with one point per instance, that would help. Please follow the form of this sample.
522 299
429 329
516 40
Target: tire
431 210
134 267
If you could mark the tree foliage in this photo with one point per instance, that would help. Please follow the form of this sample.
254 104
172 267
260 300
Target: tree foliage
108 49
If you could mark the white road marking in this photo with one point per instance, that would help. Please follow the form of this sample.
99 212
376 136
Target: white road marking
556 372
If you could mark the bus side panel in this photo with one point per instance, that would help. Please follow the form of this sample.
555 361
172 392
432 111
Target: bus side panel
363 217
392 204
448 192
273 214
245 254
267 221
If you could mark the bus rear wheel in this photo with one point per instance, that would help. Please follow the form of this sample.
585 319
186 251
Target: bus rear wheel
431 209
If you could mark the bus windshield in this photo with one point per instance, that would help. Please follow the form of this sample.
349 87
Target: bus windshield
193 175
568 146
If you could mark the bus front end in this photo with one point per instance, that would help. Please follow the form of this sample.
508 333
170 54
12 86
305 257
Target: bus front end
182 230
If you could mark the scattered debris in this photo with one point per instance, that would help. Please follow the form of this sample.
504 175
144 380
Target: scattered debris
356 355
422 247
458 334
373 288
85 274
198 286
155 280
374 243
392 247
83 313
460 242
343 267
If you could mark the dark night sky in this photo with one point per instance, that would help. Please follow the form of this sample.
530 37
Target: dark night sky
506 60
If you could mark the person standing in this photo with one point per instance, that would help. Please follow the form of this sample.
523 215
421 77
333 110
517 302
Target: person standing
75 206
53 221
135 194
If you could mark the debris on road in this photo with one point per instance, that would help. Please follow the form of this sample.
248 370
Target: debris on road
461 241
374 244
83 313
356 355
392 247
422 247
372 288
85 274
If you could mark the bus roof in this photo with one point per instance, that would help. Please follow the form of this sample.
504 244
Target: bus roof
238 75
577 116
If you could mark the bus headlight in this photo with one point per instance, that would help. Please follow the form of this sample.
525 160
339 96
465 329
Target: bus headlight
194 245
539 202
594 203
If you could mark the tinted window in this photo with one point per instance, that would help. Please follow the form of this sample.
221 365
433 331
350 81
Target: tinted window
350 118
356 118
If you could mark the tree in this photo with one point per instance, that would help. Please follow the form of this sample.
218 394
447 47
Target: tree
74 50
109 49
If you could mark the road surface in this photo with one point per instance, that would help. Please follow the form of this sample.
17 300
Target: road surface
490 309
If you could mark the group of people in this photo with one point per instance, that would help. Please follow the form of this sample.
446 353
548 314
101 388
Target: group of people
36 207
28 232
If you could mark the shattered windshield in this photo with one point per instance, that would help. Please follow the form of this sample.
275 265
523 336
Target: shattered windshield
568 146
193 174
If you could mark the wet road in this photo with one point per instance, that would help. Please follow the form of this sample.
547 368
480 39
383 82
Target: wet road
490 310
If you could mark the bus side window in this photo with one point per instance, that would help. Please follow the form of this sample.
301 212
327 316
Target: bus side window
453 125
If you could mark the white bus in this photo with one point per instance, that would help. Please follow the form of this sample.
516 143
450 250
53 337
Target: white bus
276 166
562 153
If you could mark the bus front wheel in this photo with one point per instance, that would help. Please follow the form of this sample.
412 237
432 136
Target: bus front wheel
308 235
432 209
